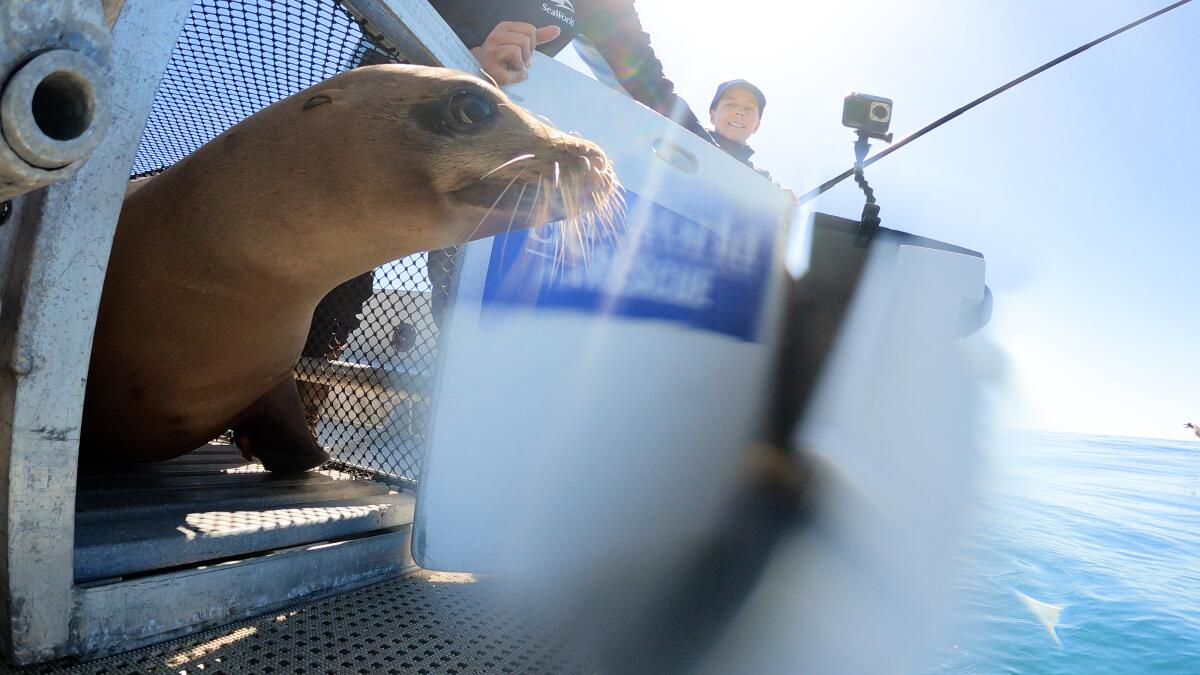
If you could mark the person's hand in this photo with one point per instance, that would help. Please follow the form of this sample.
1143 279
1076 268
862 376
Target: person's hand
507 52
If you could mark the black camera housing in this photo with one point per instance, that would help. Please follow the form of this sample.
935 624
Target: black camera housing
871 115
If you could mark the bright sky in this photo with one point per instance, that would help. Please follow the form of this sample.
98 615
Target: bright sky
1076 186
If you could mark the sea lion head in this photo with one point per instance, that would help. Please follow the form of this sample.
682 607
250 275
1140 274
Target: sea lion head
415 158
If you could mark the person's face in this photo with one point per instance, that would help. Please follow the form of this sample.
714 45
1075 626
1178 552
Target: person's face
736 115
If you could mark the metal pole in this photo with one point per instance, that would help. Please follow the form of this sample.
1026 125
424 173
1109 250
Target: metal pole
59 241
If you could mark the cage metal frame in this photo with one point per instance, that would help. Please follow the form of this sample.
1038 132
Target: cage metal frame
59 242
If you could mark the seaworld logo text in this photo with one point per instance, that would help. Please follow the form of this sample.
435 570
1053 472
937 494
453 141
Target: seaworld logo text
560 11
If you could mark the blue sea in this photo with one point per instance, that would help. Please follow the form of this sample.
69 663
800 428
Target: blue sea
1109 529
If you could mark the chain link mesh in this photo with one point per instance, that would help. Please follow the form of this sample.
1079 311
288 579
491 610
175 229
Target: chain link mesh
366 374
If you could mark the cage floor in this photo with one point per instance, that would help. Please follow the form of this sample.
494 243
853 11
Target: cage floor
425 622
211 505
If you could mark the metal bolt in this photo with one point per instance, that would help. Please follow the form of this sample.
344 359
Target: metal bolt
22 364
54 109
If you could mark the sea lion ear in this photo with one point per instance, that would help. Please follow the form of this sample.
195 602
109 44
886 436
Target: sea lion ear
319 99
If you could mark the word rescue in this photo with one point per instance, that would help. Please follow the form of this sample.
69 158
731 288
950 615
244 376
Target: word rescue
659 265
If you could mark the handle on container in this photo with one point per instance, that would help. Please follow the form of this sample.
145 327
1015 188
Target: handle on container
676 155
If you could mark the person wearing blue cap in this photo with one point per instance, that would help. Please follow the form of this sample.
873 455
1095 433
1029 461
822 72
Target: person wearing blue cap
736 113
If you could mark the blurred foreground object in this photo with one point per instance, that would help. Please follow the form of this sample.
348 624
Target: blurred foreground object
595 419
890 431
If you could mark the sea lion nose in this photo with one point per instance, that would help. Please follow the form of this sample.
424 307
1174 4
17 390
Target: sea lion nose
594 161
595 172
581 162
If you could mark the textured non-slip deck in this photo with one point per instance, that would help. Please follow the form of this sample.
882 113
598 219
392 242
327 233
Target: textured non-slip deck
157 520
212 505
423 623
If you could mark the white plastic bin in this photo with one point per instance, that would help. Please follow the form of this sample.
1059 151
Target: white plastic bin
588 411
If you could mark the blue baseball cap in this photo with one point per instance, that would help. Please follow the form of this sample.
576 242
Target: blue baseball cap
738 84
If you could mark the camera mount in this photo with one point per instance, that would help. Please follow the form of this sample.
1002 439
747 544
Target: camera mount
869 116
868 225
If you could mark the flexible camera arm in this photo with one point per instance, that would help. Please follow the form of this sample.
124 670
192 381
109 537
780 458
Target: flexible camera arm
868 225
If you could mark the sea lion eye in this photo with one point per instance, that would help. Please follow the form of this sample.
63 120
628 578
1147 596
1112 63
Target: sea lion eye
469 111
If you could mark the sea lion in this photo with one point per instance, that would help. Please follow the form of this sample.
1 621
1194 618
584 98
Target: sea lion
219 261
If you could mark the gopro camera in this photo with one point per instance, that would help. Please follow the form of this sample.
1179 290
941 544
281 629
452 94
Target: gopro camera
868 114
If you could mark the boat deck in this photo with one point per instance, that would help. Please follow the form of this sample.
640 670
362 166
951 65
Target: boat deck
212 508
211 505
424 622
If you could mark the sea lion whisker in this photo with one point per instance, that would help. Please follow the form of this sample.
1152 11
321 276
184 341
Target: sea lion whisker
484 73
563 242
538 195
617 214
557 253
615 206
597 210
570 195
579 248
512 217
611 205
603 215
592 228
509 163
590 224
551 129
588 221
494 205
541 210
617 202
547 212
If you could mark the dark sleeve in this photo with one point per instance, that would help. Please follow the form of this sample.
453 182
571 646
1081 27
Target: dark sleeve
470 23
613 27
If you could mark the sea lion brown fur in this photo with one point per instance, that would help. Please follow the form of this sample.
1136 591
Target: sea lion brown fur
218 262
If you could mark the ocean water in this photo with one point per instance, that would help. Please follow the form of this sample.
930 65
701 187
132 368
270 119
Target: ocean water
1108 528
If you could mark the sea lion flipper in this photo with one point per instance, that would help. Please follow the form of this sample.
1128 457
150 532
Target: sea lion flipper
273 430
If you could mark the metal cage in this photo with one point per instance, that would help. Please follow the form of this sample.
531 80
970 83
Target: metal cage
211 62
